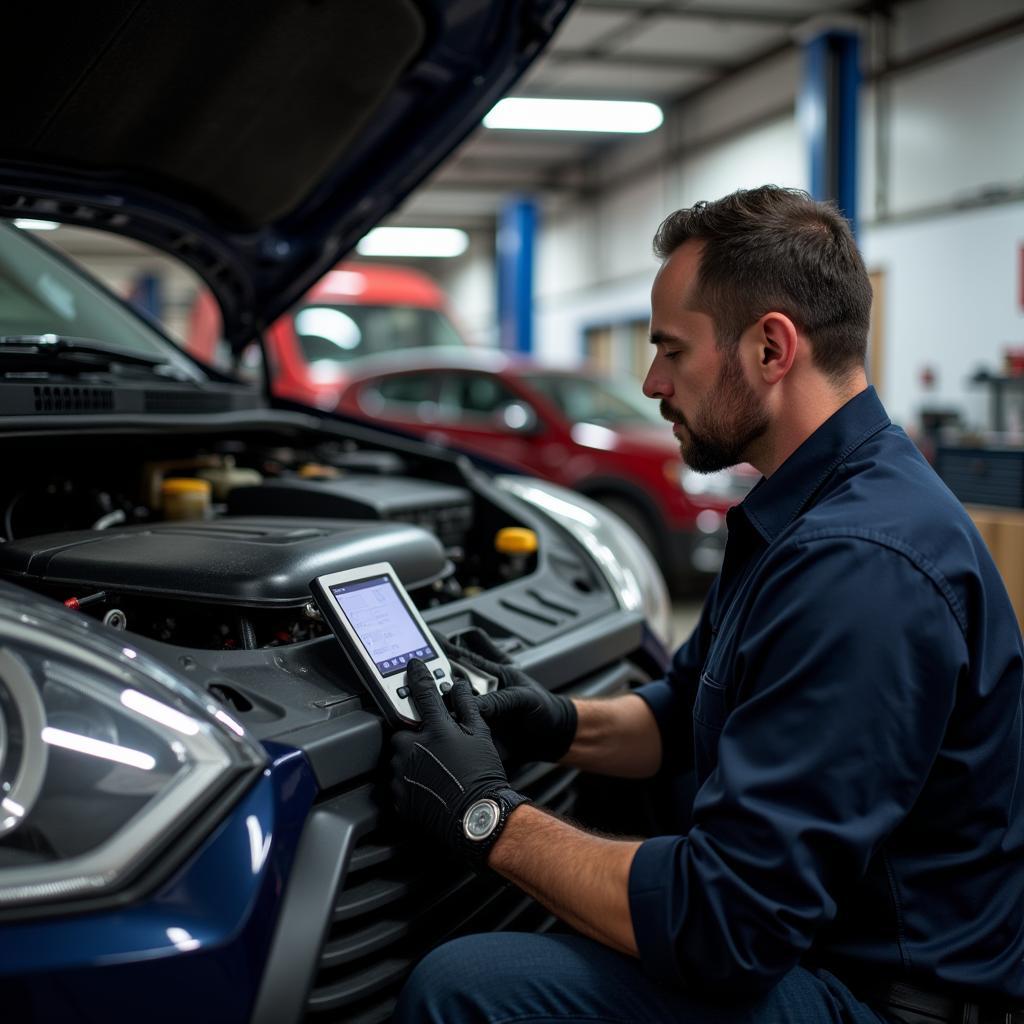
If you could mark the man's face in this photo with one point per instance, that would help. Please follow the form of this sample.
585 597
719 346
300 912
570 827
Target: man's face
700 388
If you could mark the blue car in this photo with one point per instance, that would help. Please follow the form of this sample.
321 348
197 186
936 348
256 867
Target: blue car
194 818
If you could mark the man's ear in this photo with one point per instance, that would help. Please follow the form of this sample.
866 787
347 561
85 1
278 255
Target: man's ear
777 344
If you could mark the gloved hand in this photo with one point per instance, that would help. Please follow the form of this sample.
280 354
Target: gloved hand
441 769
530 722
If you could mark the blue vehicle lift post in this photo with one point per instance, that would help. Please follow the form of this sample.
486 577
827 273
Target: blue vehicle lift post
517 228
828 112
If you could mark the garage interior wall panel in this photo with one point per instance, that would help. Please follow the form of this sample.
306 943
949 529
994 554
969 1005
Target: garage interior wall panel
769 154
567 253
759 93
563 318
627 222
469 284
957 128
952 303
923 25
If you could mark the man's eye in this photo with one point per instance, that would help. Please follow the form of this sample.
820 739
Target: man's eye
673 354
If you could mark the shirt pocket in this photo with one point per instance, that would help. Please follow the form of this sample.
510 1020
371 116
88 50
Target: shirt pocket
709 709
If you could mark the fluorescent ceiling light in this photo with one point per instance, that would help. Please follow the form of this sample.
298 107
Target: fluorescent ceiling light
414 242
28 224
575 115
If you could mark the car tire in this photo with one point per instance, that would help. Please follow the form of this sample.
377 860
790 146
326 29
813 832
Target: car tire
683 581
636 518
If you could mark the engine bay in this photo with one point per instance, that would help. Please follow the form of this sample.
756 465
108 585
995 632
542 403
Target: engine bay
233 572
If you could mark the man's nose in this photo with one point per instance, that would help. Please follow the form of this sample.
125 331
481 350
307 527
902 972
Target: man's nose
656 384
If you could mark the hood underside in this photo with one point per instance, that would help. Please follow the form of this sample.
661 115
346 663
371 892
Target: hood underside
257 141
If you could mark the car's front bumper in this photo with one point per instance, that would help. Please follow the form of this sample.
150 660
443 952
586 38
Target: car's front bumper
193 949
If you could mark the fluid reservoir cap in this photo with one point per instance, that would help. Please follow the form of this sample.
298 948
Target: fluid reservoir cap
185 485
515 540
315 471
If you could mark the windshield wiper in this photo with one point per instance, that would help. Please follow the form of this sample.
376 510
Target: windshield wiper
42 351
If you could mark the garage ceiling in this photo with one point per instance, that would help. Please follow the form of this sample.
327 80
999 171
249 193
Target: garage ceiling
607 49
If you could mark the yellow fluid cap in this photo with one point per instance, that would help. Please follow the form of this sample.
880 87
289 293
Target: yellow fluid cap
515 540
185 485
314 471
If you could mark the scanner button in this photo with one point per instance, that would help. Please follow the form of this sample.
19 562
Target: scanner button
439 673
403 692
445 686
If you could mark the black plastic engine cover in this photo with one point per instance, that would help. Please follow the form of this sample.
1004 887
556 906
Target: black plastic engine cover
251 561
444 509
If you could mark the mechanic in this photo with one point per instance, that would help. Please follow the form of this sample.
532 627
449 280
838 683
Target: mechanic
850 700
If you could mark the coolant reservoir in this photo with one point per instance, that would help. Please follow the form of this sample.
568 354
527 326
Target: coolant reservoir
225 478
185 497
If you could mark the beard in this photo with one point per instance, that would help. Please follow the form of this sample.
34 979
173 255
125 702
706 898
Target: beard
727 422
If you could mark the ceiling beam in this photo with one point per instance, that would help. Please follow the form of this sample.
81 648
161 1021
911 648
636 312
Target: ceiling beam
638 60
691 11
502 186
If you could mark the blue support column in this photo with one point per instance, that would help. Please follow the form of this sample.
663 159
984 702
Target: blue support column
517 227
828 109
147 295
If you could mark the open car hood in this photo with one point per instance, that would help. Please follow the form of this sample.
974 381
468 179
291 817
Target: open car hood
257 141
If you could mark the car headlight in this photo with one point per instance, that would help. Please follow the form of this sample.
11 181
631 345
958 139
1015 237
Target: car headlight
621 556
105 756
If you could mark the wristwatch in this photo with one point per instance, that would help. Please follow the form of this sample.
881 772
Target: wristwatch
484 820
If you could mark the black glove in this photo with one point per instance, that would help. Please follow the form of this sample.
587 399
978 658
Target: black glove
531 722
447 765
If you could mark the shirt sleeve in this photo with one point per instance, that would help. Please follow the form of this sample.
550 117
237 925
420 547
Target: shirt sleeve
671 698
842 684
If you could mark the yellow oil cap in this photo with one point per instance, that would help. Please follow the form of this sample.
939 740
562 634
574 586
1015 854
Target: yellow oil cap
314 471
515 540
185 485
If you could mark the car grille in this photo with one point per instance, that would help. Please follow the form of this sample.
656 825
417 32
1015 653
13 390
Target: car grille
394 905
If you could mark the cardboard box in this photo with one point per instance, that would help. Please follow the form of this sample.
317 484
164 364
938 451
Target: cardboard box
1002 530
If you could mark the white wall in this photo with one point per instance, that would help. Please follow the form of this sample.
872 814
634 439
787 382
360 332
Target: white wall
952 290
469 282
958 127
956 140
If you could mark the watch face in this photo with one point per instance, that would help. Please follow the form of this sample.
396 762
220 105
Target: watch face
481 819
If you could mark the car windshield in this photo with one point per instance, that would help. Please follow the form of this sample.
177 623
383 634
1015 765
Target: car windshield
41 295
339 333
595 400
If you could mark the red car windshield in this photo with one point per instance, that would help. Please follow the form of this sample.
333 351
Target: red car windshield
593 400
339 333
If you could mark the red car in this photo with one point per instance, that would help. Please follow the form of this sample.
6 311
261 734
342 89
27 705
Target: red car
573 427
354 310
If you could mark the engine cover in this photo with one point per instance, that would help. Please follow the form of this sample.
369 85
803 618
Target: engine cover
251 561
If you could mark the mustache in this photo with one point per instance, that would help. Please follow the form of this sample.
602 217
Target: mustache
670 414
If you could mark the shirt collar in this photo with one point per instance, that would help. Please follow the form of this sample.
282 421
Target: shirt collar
776 501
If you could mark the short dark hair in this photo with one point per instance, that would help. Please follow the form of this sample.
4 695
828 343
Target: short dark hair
772 248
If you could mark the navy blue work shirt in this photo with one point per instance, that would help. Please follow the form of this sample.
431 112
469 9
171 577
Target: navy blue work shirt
851 698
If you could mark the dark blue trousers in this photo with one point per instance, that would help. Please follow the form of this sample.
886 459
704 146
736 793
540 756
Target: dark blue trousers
507 977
